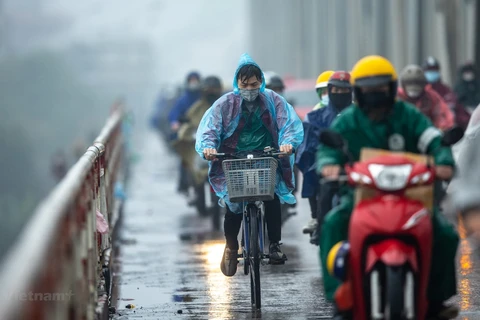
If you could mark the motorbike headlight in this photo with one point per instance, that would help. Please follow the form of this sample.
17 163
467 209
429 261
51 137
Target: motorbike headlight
390 178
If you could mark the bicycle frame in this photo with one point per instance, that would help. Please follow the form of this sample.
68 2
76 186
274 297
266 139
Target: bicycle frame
259 205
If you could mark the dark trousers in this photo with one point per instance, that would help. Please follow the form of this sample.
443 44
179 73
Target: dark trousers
326 195
313 201
273 220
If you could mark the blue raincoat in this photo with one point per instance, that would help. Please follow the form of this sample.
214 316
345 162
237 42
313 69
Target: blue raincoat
222 124
314 123
183 104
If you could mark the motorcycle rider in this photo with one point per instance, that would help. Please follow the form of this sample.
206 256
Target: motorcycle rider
321 89
468 86
415 89
192 94
432 70
378 120
211 88
340 97
275 83
250 118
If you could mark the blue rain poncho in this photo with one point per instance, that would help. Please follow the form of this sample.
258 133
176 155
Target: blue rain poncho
222 125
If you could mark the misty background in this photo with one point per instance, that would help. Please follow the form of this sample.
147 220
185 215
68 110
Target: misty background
63 63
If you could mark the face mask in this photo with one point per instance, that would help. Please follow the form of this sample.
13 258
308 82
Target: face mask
432 76
249 94
468 76
211 97
413 92
341 100
374 100
325 99
193 86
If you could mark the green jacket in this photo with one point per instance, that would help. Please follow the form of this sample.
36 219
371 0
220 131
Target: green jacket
405 129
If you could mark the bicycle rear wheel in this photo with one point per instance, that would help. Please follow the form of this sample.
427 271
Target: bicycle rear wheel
254 257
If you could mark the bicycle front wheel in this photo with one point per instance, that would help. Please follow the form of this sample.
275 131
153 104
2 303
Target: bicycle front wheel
254 257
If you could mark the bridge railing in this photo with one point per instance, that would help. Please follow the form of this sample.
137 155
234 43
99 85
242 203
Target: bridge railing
56 269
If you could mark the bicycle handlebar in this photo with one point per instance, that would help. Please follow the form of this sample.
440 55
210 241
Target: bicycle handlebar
222 155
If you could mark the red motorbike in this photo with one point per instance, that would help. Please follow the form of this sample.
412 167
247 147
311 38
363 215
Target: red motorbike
385 264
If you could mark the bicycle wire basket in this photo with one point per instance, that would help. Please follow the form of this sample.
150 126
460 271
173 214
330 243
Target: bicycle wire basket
250 179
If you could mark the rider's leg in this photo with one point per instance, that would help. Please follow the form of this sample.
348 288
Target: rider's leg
334 229
273 219
445 243
231 225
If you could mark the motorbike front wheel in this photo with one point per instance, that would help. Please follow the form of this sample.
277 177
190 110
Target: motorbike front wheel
395 294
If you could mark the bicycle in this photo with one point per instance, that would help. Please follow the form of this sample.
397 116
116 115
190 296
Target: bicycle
252 180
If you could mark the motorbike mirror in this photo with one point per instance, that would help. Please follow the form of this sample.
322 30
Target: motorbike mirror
452 136
332 139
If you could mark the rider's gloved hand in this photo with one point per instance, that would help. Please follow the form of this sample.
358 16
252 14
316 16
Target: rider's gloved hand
287 148
444 172
207 153
331 171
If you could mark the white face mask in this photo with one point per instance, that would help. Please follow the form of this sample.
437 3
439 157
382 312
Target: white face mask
468 76
413 91
325 99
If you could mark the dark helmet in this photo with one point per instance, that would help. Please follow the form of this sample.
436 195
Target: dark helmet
431 63
272 80
211 82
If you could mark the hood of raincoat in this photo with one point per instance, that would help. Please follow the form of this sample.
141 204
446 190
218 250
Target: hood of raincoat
245 59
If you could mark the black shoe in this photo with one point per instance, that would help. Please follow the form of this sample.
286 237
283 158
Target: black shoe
229 262
441 311
276 255
315 237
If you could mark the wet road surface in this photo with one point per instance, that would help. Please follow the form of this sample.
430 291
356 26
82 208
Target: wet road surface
168 261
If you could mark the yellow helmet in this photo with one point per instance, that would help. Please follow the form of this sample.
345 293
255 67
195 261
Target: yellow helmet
373 71
322 80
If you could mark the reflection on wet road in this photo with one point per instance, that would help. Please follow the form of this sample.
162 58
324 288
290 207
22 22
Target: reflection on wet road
168 264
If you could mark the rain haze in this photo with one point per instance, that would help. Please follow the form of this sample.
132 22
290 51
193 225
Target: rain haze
105 202
64 63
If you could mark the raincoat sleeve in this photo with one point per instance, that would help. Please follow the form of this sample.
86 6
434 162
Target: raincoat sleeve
327 155
445 118
428 138
177 110
210 130
289 124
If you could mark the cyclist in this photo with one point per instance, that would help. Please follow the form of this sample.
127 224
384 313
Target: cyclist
415 89
340 97
321 88
378 120
250 118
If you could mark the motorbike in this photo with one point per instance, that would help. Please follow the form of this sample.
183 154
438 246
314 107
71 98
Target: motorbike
384 266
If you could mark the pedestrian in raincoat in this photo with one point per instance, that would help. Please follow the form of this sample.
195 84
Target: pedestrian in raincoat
321 89
415 90
431 69
378 120
468 86
250 118
340 97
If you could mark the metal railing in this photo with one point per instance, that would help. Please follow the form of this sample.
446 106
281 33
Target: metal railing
54 270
